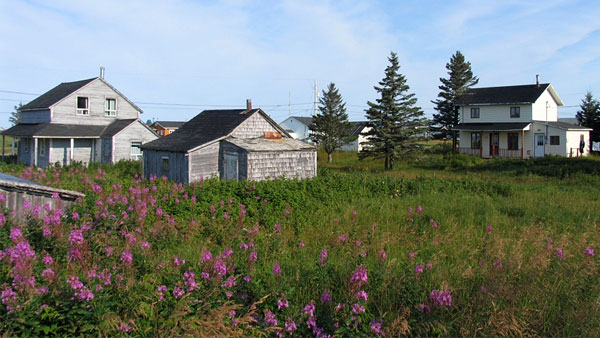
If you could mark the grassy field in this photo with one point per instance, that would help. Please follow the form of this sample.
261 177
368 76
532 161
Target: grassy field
443 245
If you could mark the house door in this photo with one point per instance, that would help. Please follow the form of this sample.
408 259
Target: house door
539 145
231 167
494 144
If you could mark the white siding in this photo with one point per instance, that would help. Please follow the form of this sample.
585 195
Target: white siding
545 108
300 130
495 114
97 92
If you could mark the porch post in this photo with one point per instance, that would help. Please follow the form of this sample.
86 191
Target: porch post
71 154
454 142
12 145
523 144
35 150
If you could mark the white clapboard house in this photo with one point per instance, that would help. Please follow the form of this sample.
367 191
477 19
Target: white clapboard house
82 121
518 122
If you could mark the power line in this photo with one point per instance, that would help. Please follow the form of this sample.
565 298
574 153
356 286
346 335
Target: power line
13 92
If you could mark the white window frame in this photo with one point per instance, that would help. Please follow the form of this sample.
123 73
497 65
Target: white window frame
134 155
82 111
107 111
475 113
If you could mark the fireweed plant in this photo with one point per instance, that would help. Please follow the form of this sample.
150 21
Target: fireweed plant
148 257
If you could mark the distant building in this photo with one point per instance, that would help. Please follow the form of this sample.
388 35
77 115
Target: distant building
82 121
357 145
229 144
164 128
517 121
298 127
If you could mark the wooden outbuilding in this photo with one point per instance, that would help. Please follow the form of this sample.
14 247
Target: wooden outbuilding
21 195
231 144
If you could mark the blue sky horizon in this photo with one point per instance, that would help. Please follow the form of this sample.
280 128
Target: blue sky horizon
177 58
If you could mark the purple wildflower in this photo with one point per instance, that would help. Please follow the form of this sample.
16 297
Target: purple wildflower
362 295
589 252
276 269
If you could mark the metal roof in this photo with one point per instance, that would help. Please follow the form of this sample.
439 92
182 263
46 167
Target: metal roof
9 182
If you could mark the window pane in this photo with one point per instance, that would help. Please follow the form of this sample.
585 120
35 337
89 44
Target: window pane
513 141
475 140
82 102
515 111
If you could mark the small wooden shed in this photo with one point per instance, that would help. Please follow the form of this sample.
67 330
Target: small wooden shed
231 144
18 192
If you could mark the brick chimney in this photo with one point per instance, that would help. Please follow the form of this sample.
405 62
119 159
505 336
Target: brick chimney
248 104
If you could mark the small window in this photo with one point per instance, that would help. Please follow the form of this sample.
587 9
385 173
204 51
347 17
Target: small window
25 145
83 107
111 107
474 113
554 140
136 151
475 140
515 112
513 141
165 163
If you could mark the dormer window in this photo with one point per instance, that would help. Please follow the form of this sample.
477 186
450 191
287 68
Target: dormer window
515 112
83 105
110 107
474 113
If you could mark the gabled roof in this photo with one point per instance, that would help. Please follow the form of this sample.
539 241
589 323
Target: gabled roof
523 94
206 127
56 94
358 127
58 130
49 98
169 124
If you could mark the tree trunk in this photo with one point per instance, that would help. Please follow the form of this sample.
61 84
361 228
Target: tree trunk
329 158
386 163
391 163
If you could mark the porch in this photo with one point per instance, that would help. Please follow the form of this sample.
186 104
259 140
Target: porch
493 140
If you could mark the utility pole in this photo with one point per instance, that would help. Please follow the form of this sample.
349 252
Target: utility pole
316 99
289 103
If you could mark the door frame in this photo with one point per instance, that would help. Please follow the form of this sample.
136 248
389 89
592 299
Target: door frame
497 152
535 145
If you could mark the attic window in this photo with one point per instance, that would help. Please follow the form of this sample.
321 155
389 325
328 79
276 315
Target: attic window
111 107
474 113
83 107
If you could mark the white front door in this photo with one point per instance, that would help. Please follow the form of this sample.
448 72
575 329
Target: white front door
539 145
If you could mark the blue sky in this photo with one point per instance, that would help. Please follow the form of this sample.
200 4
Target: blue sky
176 58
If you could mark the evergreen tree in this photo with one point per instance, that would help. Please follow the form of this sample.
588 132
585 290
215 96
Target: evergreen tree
330 129
15 117
393 119
459 81
589 115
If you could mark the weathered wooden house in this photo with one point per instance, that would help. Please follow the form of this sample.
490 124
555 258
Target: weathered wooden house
83 121
230 144
16 193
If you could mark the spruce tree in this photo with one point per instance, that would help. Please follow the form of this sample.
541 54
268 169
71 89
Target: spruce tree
393 119
589 115
331 129
15 117
460 79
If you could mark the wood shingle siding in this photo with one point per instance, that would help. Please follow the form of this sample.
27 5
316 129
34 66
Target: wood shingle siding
254 126
204 162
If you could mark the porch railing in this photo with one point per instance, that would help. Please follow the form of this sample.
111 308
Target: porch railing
504 153
509 153
470 151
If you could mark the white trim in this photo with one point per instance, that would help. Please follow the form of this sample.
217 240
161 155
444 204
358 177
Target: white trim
86 110
107 113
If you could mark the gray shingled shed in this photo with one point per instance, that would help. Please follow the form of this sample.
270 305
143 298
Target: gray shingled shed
230 144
